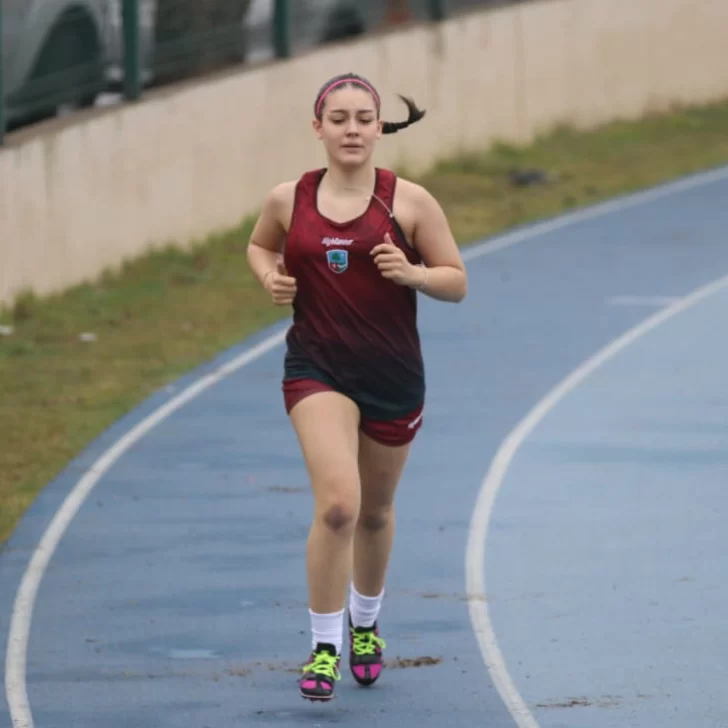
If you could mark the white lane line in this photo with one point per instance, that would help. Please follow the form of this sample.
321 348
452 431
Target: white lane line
19 632
655 301
478 534
594 212
15 663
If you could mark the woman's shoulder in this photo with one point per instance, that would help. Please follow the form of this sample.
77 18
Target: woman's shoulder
281 199
408 186
285 192
278 202
414 192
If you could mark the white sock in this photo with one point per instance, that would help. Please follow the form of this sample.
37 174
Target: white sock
327 628
364 610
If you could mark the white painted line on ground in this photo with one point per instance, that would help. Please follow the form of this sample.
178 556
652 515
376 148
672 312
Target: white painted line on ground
16 689
602 209
478 534
655 301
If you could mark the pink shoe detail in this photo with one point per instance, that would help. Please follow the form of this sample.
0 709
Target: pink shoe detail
320 674
365 654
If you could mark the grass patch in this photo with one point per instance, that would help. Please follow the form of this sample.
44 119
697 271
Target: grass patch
160 316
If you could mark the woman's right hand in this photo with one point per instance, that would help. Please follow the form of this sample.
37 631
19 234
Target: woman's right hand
280 285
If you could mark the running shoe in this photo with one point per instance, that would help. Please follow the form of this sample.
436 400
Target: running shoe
320 673
365 653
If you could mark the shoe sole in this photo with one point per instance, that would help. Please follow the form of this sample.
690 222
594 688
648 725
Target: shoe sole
317 698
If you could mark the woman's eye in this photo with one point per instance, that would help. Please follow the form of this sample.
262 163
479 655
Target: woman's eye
340 120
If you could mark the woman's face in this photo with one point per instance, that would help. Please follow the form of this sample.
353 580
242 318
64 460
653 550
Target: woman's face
349 126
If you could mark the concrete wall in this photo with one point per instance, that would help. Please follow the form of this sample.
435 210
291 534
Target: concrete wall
81 198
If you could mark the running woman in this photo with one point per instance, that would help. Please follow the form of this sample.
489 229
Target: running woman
349 246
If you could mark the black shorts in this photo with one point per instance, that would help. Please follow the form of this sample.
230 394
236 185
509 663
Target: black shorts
384 420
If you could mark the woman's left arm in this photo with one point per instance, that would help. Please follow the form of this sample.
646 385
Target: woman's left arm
443 275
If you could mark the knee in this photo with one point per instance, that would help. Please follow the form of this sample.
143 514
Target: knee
376 519
338 508
339 515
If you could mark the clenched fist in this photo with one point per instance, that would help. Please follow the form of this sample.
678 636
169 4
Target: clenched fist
393 264
280 285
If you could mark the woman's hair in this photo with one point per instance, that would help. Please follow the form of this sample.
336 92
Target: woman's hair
355 81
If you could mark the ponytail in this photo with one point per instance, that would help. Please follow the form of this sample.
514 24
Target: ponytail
414 115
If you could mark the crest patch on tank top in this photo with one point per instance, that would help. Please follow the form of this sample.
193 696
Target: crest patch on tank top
338 260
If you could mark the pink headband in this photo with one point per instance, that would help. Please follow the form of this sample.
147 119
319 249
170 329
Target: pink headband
341 82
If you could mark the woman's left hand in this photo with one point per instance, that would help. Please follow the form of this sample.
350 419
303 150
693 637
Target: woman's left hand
393 263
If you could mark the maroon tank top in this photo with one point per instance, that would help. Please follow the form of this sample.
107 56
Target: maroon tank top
351 327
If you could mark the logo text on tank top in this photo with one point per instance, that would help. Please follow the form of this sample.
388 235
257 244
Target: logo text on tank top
336 242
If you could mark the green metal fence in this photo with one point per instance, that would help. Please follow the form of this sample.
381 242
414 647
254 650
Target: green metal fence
68 53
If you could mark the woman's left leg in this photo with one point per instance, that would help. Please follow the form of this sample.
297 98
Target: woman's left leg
381 463
380 470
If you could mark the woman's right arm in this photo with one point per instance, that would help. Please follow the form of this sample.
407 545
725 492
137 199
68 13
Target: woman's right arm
265 246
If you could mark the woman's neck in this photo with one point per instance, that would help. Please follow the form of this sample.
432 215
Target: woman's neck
342 181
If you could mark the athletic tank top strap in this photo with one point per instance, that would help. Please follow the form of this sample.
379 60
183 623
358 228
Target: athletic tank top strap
385 186
385 189
307 188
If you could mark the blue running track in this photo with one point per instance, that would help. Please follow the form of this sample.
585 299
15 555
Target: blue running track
572 464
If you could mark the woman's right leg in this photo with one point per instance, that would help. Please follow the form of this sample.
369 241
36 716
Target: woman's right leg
327 427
